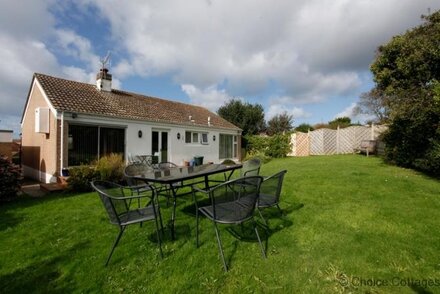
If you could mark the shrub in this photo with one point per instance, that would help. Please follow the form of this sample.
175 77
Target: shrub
409 140
111 167
10 177
279 146
258 154
80 178
267 147
431 161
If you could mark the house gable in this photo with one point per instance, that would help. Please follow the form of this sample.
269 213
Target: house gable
34 86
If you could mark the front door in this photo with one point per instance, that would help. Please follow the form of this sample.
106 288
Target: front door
159 145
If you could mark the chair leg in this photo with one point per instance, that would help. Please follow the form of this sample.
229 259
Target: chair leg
121 231
279 208
220 247
262 217
197 228
159 240
259 240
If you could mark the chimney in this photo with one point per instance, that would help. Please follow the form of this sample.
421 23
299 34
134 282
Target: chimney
104 80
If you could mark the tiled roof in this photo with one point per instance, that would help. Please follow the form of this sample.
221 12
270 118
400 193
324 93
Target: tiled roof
71 96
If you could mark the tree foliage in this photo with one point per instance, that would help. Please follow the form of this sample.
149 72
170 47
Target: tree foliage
304 127
275 146
10 177
406 72
248 117
280 124
374 102
342 122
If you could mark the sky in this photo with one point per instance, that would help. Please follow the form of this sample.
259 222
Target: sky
309 58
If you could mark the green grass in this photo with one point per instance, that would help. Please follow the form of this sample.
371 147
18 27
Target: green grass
346 218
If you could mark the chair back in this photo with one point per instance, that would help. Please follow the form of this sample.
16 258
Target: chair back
235 199
135 170
166 165
111 195
272 185
251 168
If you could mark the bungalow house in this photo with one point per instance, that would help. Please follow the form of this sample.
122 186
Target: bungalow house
67 123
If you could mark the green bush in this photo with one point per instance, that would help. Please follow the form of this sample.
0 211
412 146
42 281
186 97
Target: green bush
265 148
80 178
431 161
413 141
279 146
10 177
111 168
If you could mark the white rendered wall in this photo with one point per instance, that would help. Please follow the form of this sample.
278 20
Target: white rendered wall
178 150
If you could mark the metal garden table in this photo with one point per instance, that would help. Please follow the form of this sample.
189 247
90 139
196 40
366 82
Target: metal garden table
175 175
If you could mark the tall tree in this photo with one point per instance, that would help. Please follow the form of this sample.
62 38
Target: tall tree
248 117
376 103
279 124
407 71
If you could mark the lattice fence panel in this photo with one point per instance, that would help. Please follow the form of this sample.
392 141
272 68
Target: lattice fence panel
316 142
361 133
378 130
330 142
302 144
326 141
346 140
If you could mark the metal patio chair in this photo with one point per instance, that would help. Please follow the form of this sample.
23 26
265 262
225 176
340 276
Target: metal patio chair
118 209
134 170
232 202
270 192
251 167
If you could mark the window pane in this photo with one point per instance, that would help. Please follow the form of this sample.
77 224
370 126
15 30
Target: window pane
225 146
111 141
187 137
205 138
195 138
83 144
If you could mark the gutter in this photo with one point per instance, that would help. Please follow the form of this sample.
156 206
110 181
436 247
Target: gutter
62 144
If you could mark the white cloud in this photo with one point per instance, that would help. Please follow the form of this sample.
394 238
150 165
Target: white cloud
211 97
77 47
296 112
25 29
309 49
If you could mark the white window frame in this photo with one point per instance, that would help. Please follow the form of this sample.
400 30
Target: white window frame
194 137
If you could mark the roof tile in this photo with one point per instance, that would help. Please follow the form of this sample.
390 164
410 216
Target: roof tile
71 96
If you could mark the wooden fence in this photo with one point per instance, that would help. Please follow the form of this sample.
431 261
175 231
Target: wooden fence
327 142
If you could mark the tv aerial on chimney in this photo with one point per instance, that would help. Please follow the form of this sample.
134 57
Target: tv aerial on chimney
105 61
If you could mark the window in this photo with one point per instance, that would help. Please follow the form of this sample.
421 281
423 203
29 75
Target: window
205 138
228 147
196 138
87 143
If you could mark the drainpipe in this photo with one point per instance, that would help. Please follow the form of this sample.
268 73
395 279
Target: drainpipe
62 144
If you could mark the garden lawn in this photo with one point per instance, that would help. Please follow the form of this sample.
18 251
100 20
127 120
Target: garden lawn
350 224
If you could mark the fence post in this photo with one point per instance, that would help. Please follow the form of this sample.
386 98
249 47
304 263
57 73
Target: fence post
308 142
337 140
372 131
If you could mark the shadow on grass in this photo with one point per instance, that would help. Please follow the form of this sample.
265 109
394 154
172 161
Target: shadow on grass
43 276
8 219
419 289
